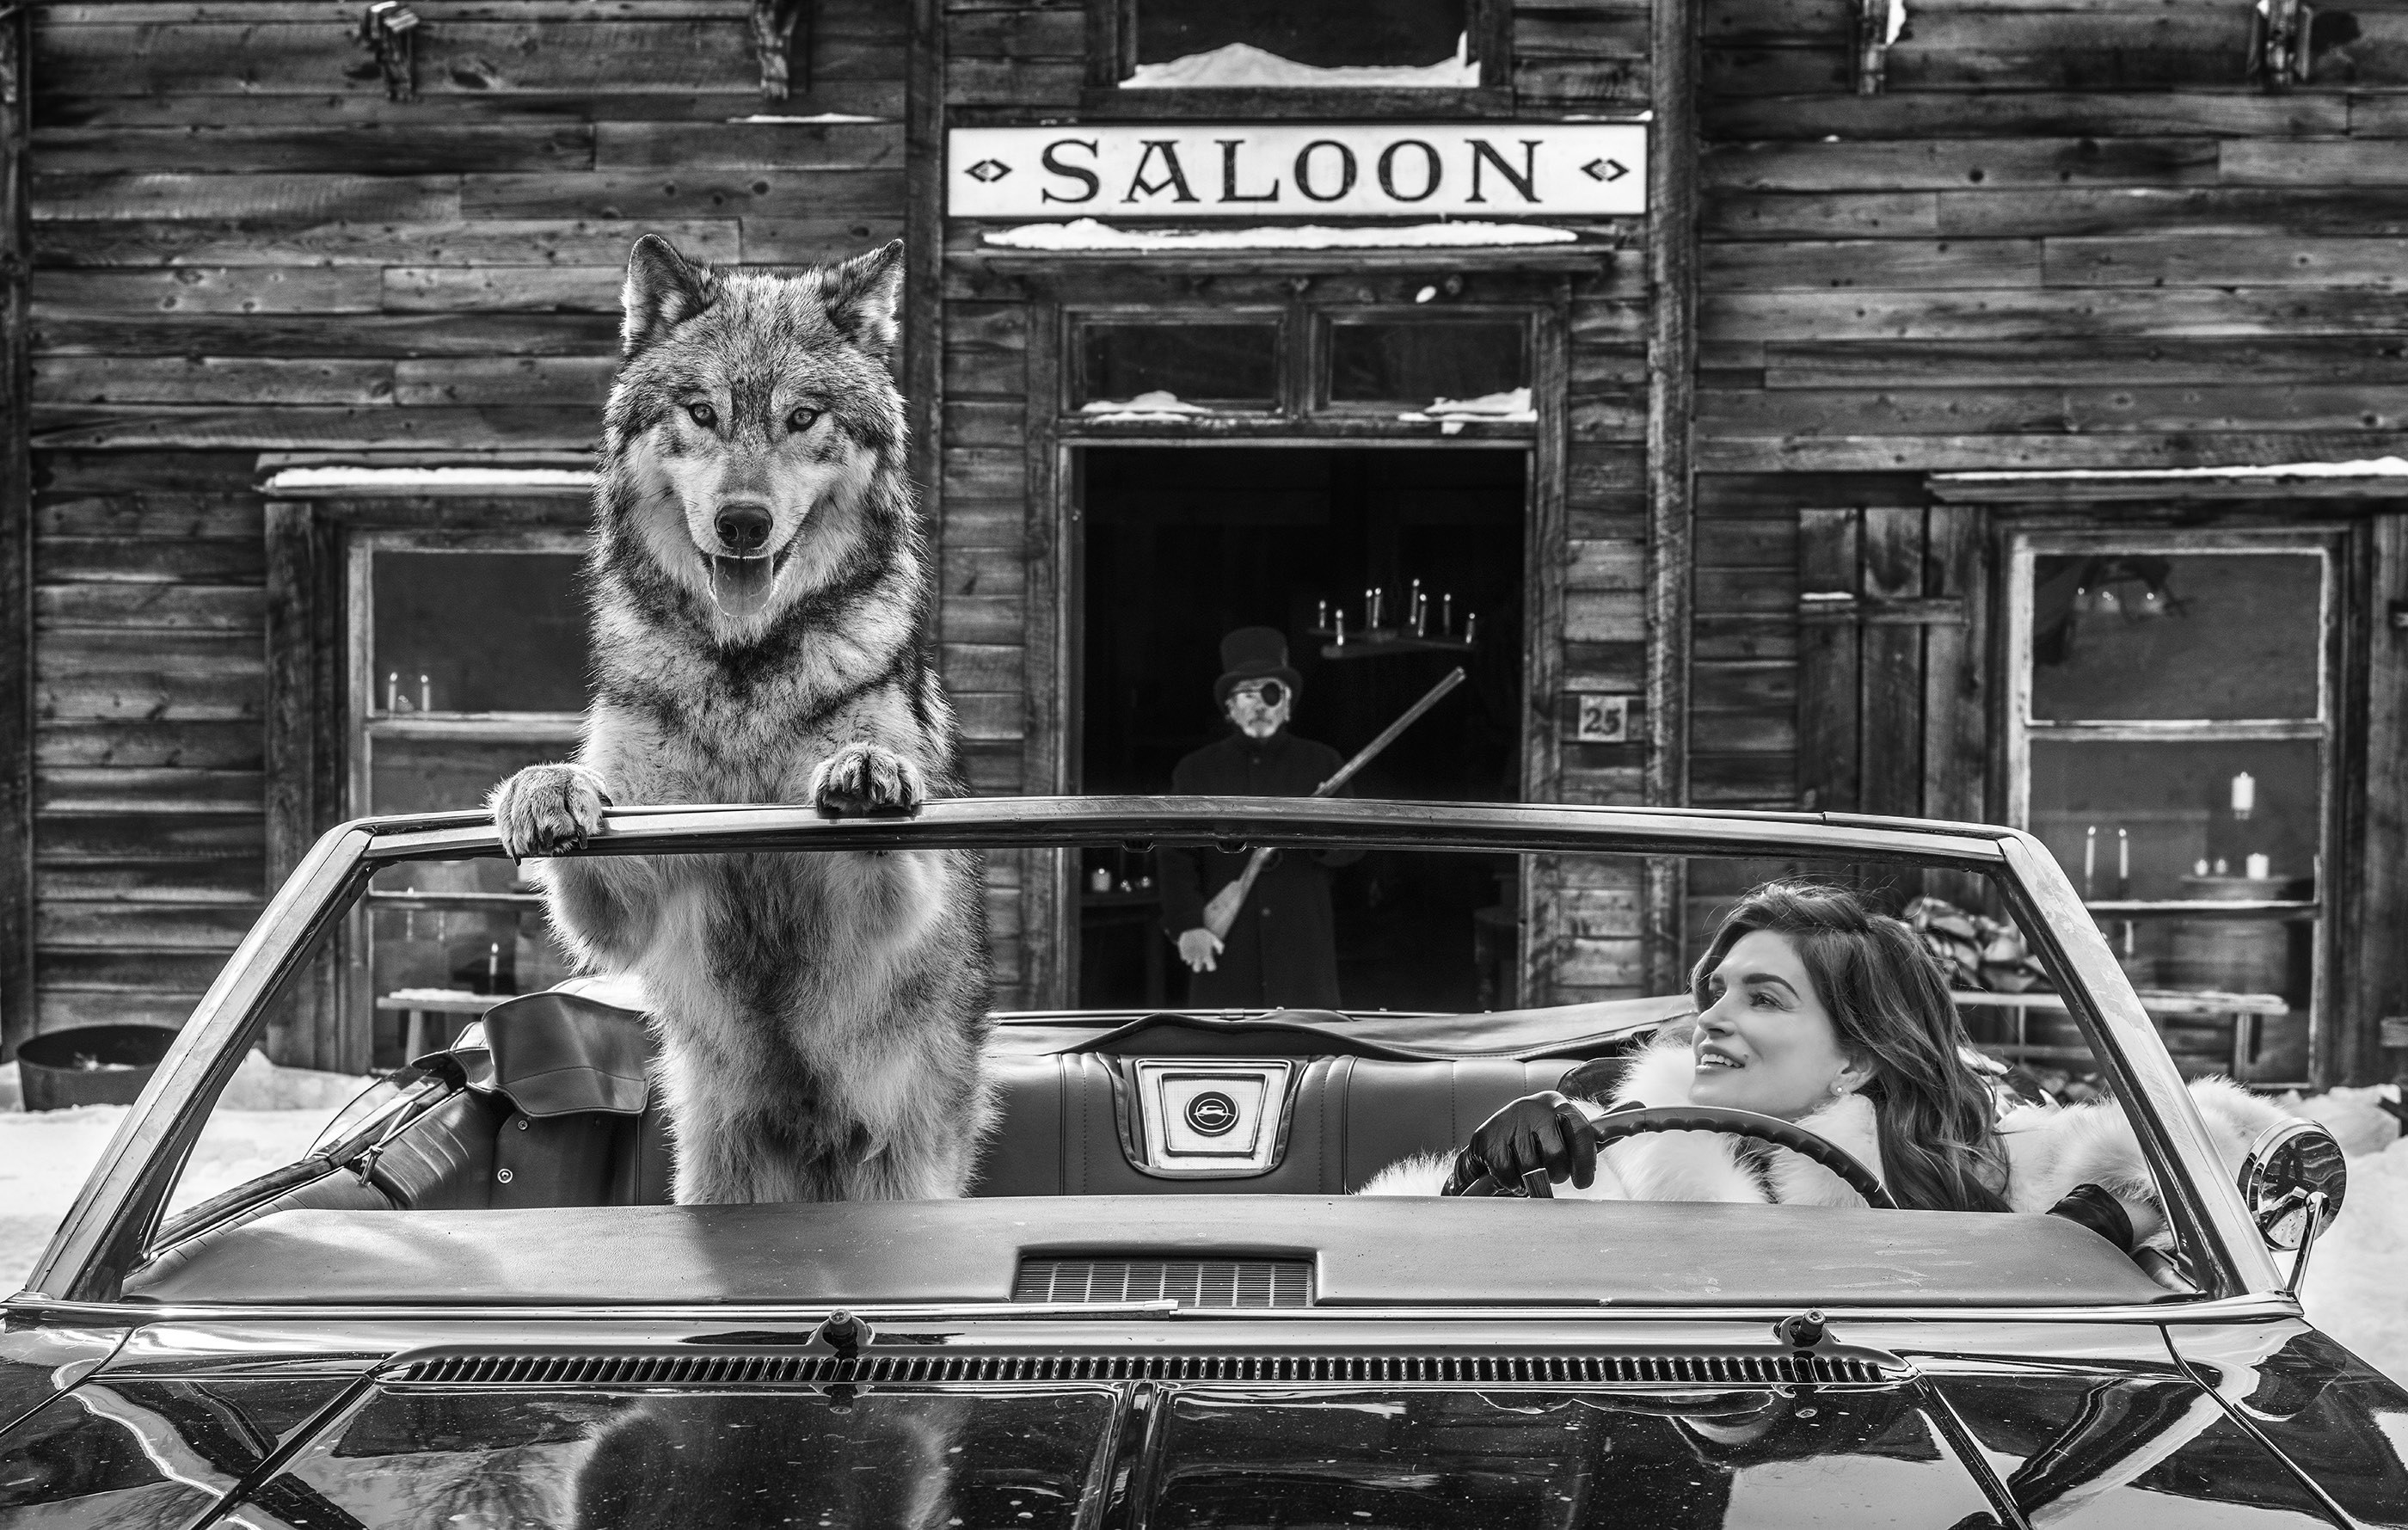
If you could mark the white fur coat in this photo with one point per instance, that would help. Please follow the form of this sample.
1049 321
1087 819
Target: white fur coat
2050 1150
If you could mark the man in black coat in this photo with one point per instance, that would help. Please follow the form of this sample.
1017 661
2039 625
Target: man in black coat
1281 952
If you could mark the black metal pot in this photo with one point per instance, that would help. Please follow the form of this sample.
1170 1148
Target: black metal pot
89 1065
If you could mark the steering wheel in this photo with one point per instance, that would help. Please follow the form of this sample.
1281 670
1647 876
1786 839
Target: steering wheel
1629 1121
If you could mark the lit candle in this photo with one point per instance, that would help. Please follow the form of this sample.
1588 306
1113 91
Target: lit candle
2244 794
2123 862
1320 617
1472 626
425 694
1340 628
1446 614
393 690
2089 857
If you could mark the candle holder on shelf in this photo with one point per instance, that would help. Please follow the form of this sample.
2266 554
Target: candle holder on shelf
1411 634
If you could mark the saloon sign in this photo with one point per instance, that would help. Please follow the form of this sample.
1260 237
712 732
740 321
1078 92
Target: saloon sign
1152 171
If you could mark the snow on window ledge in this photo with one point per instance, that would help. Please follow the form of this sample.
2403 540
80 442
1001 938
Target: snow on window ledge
2377 467
1089 233
1160 404
1241 66
1512 407
429 480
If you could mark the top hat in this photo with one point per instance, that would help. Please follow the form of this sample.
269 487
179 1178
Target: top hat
1253 653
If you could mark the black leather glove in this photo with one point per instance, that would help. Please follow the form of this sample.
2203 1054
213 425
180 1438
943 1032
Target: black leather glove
1543 1131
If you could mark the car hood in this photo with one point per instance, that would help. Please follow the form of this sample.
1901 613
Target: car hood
1502 1424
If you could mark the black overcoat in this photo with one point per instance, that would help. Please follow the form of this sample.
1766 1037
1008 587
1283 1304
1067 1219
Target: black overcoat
1283 950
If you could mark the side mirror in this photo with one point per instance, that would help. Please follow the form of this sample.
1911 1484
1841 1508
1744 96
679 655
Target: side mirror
2294 1174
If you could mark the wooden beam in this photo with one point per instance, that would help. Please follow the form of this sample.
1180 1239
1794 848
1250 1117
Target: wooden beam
924 254
16 546
1672 399
2373 978
305 654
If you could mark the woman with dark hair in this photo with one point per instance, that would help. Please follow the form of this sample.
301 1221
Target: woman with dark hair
1816 1010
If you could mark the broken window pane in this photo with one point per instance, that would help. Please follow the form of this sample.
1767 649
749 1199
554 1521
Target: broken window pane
1232 366
1277 43
1416 362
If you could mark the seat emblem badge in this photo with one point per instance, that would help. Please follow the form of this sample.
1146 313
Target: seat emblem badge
1212 1113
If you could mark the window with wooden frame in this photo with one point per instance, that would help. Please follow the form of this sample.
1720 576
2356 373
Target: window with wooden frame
1398 364
468 656
1225 361
1460 361
1174 57
2170 738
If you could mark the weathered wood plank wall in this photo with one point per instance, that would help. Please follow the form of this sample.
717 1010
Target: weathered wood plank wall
242 246
2119 254
2063 237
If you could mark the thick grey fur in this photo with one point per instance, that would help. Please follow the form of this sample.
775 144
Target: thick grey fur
820 1016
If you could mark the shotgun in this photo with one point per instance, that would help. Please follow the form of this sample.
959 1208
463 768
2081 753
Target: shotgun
1222 911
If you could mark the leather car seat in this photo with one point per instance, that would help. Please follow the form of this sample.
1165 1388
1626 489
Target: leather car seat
1063 1120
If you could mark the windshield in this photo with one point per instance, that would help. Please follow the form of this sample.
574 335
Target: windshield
1891 1027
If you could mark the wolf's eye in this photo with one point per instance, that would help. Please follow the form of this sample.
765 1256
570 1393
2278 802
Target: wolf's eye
802 419
704 415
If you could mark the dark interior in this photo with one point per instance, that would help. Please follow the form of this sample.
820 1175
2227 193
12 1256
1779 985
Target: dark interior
1250 537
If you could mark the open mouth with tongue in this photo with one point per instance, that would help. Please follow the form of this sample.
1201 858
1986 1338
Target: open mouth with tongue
742 587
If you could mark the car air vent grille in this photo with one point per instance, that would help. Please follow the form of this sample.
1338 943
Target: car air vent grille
1190 1282
778 1368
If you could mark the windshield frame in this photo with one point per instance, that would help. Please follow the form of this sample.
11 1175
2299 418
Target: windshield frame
117 1214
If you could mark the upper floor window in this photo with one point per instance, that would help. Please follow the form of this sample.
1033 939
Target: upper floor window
1281 44
1417 46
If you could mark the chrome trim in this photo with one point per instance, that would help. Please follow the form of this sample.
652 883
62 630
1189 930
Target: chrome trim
1150 1133
2253 1306
1010 823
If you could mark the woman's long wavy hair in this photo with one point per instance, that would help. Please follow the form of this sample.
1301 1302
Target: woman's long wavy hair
1891 1006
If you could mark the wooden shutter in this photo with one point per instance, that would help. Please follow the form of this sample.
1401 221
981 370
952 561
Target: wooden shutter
1892 697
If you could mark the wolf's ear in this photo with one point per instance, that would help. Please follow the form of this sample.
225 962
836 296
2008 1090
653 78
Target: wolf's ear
663 289
864 297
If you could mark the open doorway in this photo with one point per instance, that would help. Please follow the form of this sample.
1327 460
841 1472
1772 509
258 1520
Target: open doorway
1182 545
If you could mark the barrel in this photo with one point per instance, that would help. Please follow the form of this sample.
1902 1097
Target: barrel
89 1065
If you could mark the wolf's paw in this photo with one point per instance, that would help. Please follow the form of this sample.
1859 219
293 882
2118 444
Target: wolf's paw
867 779
545 810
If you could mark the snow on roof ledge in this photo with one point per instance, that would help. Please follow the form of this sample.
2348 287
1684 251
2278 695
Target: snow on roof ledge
1088 233
429 480
2377 467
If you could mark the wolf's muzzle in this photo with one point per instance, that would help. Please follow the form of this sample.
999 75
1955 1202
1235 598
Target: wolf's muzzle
743 528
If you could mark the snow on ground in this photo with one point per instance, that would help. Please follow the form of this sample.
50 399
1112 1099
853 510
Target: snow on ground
266 1119
271 1115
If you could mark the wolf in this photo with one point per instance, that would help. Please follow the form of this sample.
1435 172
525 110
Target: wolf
759 591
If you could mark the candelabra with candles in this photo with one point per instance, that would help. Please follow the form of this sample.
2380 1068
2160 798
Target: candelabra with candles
1427 624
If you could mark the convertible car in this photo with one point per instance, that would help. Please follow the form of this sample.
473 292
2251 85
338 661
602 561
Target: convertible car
472 1304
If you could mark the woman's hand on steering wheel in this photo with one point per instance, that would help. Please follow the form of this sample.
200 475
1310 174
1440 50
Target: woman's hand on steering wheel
1544 1131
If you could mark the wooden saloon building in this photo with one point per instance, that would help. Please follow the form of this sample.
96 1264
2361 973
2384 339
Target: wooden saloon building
1897 407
